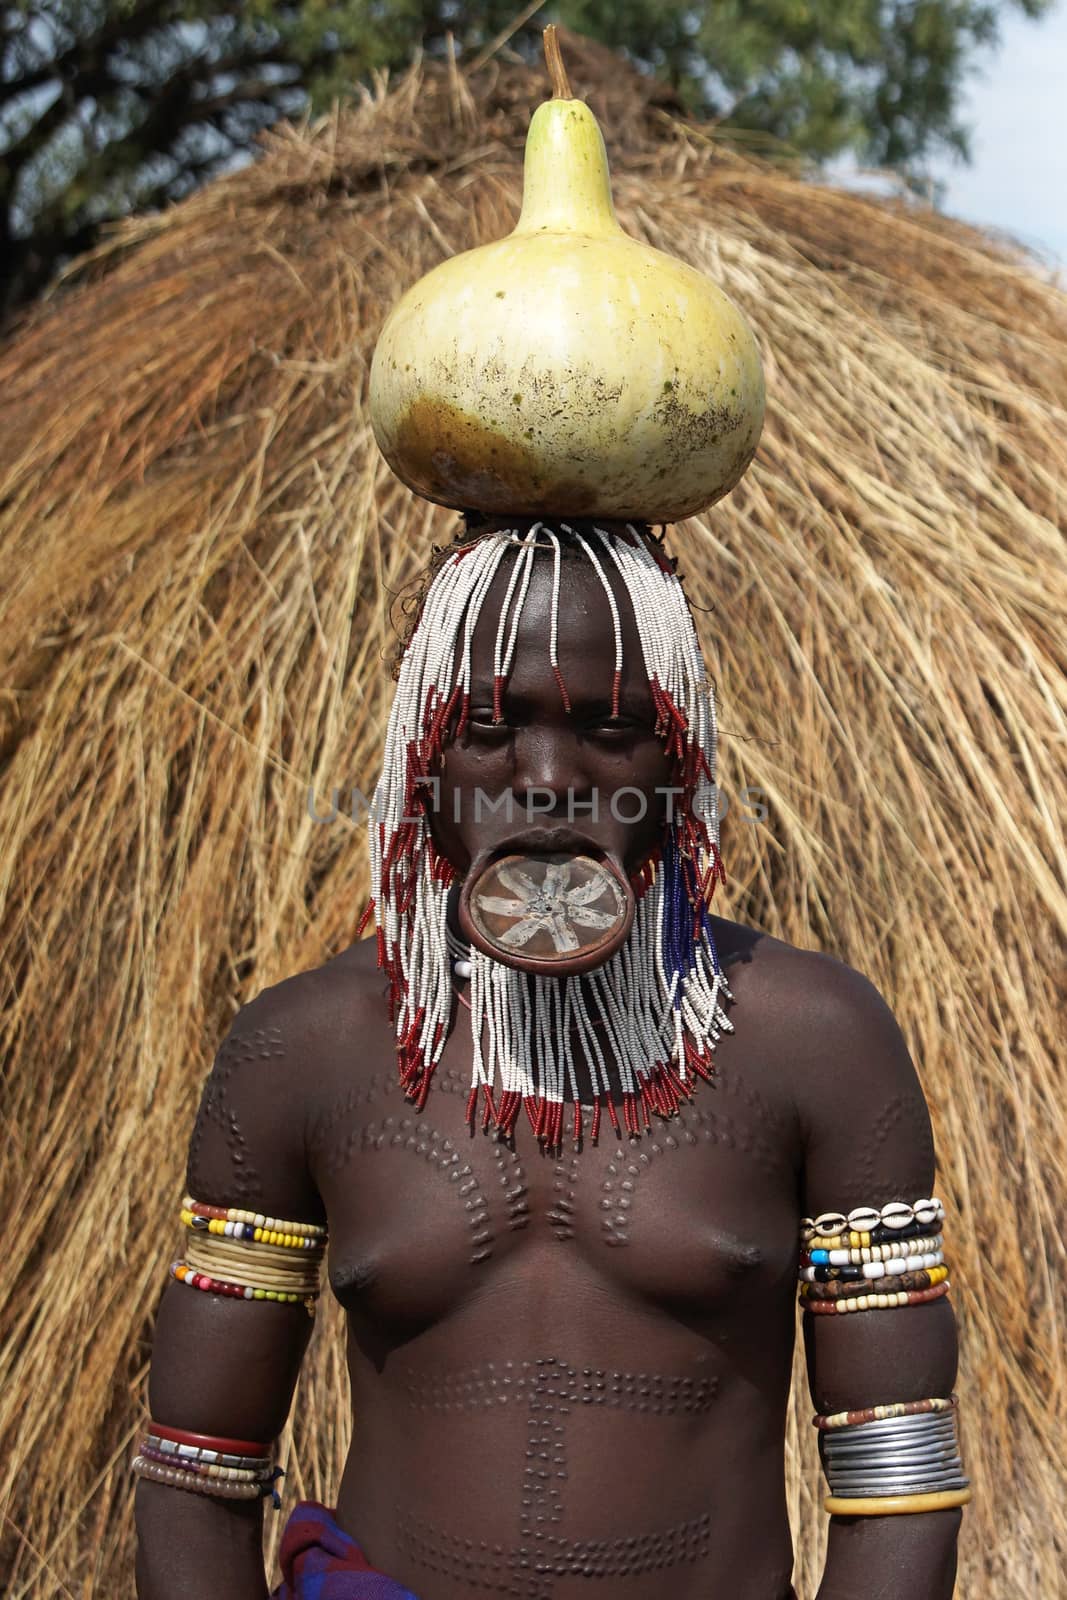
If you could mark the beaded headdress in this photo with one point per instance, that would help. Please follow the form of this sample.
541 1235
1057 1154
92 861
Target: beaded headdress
647 1020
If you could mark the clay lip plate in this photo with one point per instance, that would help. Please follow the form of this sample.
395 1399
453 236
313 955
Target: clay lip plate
553 912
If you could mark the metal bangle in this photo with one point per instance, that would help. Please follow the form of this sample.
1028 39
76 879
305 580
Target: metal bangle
896 1428
891 1462
882 1483
921 1486
889 1448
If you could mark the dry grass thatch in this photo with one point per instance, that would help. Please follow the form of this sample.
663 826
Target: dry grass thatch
198 540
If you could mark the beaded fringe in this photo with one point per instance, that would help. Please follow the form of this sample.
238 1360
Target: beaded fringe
657 1002
656 1049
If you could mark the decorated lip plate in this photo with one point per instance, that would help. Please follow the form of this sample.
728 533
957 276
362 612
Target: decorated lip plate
548 912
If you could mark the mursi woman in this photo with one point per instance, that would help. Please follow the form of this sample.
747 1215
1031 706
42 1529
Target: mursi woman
571 1138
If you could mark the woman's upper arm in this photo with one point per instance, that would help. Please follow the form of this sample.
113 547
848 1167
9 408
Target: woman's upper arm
868 1141
225 1366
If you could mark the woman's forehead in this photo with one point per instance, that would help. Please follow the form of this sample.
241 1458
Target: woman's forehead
585 624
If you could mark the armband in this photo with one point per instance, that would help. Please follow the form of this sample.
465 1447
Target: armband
873 1258
891 1459
249 1256
232 1469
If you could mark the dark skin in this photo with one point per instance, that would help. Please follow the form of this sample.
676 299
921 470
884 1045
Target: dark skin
569 1373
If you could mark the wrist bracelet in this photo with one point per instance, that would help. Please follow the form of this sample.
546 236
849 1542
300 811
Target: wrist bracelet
894 1505
232 1469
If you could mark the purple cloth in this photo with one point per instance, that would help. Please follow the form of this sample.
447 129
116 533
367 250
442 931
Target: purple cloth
322 1562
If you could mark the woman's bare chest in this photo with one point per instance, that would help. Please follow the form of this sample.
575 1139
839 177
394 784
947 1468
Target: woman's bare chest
695 1215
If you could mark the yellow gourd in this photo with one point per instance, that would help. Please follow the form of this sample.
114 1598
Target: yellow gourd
567 369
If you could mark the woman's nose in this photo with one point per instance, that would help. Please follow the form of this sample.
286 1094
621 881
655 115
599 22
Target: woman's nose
549 765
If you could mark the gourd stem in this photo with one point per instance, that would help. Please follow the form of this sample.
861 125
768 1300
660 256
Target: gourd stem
561 89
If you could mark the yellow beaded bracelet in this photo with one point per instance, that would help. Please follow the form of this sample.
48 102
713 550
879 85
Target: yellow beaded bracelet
895 1504
837 1241
195 1221
254 1219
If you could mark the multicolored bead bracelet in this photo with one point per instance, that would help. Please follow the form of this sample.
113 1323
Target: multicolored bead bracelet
209 1441
248 1255
235 1291
853 1240
837 1272
232 1469
178 1479
249 1232
873 1271
903 1281
208 1469
896 1408
877 1302
188 1455
875 1252
253 1219
868 1271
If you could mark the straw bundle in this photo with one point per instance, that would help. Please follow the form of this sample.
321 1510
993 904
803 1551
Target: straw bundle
199 543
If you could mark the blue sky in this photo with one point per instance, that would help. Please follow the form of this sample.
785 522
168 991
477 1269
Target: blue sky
1017 109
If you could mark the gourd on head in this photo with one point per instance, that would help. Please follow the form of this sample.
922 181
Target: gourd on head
567 369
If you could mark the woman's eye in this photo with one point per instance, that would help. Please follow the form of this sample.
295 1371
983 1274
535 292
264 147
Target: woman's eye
615 725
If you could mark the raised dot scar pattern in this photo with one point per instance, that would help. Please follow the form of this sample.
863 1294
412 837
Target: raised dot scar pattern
328 1127
236 1050
513 1187
412 1135
551 1391
758 1141
564 1197
503 1383
528 1572
904 1116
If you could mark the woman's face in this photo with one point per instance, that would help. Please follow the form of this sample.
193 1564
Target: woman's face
579 775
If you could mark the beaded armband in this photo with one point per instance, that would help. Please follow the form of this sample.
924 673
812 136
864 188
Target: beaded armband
894 1458
903 1456
873 1258
230 1469
249 1256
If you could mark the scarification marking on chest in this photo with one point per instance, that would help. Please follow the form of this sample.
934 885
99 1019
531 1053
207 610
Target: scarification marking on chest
761 1140
414 1136
759 1135
564 1192
513 1184
551 1390
328 1130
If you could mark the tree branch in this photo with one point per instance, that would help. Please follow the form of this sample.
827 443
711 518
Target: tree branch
99 81
161 193
173 109
253 90
88 55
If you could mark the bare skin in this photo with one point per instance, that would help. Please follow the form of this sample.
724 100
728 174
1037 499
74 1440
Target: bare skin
569 1373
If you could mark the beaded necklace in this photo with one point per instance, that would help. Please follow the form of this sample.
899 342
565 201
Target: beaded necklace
647 1021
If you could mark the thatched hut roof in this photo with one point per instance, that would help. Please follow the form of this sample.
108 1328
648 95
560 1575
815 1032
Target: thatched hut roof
199 540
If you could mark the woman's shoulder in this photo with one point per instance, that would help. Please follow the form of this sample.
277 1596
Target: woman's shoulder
318 1003
781 970
809 1014
826 1037
279 1063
